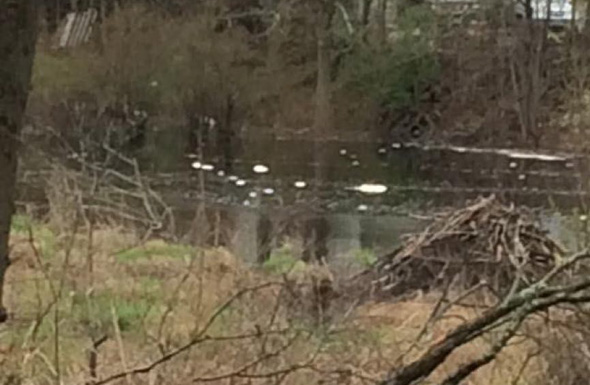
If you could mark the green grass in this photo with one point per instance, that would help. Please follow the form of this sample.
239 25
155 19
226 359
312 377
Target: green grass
281 261
58 74
154 249
96 312
365 257
45 238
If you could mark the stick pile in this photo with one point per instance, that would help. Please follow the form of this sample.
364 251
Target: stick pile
483 242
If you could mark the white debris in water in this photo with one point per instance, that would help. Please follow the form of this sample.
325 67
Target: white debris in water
220 173
522 177
370 188
530 155
246 203
396 145
355 163
240 183
196 165
268 191
382 150
583 218
232 178
260 169
154 83
207 167
513 165
343 151
362 207
300 184
210 122
253 194
192 156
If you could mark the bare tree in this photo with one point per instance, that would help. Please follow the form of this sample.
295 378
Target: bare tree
18 32
322 118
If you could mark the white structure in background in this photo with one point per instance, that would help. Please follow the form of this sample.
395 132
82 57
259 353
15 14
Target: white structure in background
77 28
559 13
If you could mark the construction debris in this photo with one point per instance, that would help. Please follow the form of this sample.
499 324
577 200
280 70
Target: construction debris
77 28
485 242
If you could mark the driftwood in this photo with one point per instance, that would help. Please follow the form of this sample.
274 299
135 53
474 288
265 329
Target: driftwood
484 242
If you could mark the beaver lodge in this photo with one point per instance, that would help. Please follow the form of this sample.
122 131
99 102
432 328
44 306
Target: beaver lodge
485 243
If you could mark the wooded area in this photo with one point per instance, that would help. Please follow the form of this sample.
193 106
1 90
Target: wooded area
114 280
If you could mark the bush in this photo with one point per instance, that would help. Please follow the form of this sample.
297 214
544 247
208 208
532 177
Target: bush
396 75
96 313
281 261
171 69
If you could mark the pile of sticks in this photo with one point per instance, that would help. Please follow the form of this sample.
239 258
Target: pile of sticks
484 242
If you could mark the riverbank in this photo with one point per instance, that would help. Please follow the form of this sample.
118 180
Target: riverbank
138 302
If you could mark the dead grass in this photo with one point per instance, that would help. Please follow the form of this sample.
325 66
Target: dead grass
160 295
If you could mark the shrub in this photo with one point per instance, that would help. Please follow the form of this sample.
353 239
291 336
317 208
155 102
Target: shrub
396 75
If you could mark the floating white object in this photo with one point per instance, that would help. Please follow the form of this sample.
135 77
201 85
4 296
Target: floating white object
343 151
300 184
192 156
362 207
220 173
253 194
260 169
154 83
246 202
583 218
356 163
268 191
370 188
396 145
522 177
240 183
512 165
196 165
382 150
207 167
232 178
533 156
210 122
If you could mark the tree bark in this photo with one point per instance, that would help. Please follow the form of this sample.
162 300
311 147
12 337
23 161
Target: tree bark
382 22
18 33
322 122
323 107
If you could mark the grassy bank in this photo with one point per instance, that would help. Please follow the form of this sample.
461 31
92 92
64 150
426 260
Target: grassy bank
139 302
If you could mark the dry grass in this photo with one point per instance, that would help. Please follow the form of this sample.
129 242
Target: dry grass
160 295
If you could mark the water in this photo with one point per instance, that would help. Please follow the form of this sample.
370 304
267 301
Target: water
326 215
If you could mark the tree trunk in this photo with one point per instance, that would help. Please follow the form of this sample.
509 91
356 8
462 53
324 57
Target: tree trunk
382 22
18 33
52 15
322 122
323 107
